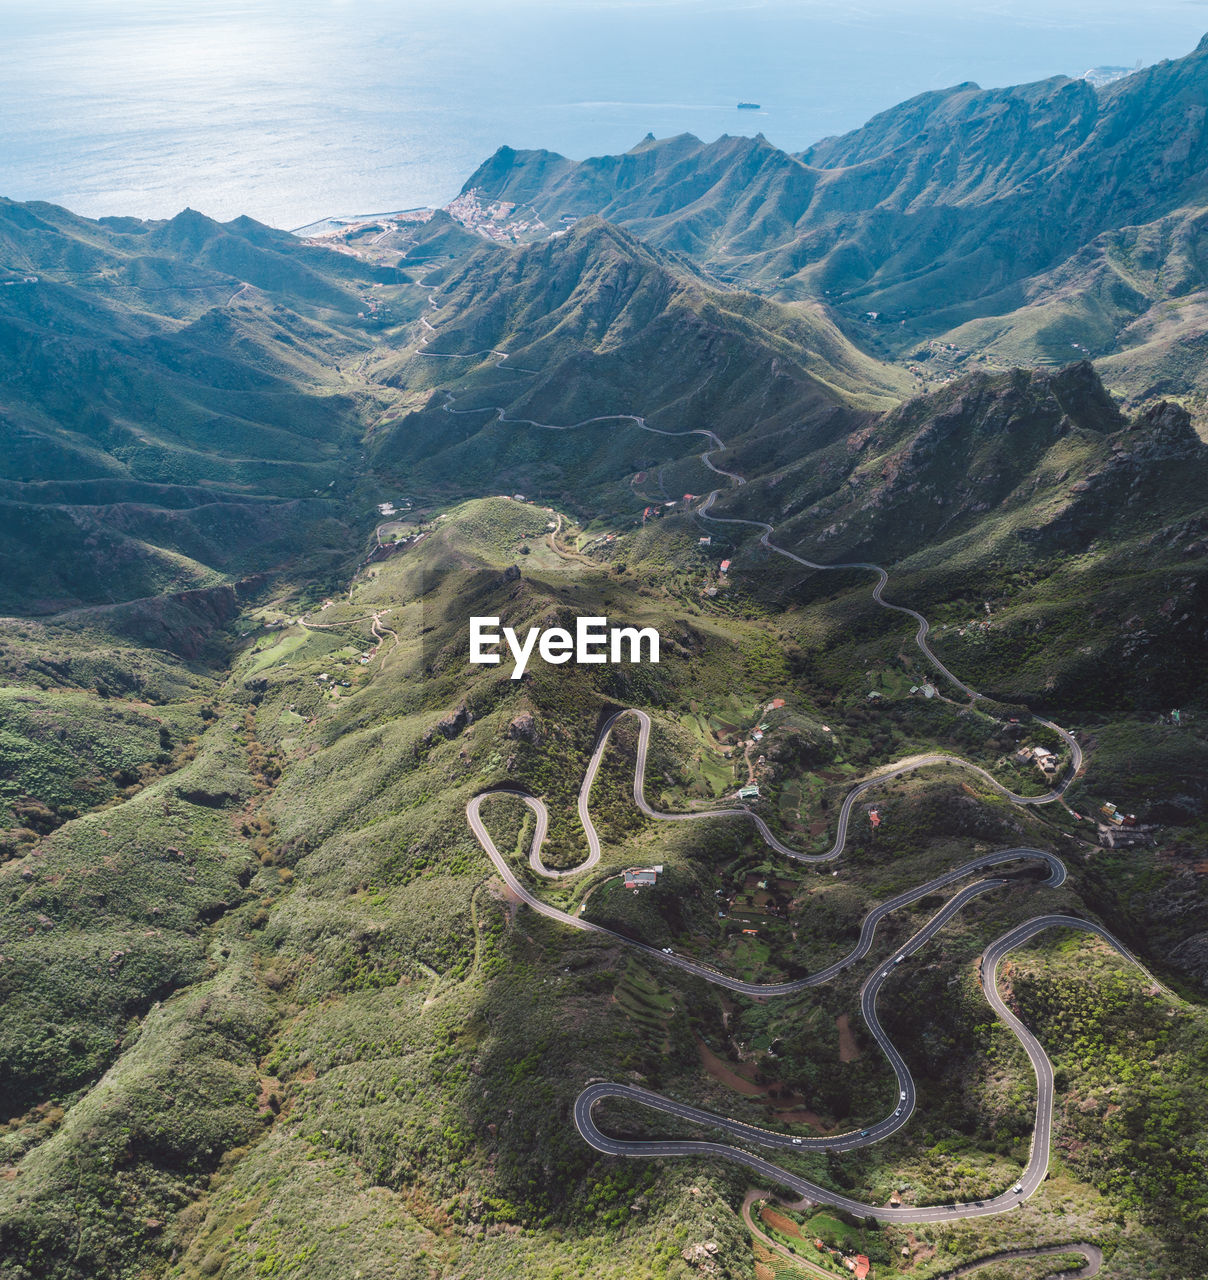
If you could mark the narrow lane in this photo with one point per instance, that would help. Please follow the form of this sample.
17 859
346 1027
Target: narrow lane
1037 1166
1038 1159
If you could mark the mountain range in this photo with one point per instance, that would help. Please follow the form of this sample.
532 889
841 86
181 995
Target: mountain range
1023 225
267 1008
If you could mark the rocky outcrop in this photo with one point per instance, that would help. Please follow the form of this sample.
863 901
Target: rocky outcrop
1191 956
451 725
1152 464
524 727
1163 433
703 1257
184 623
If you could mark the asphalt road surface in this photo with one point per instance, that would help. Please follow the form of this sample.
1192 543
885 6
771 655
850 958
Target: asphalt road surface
902 1107
639 795
1038 1160
867 927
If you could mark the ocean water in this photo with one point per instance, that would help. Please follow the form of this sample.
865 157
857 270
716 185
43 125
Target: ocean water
290 112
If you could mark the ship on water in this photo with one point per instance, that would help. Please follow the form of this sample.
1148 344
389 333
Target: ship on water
748 106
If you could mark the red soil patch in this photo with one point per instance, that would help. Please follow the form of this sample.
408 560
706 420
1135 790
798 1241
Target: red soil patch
848 1051
778 1222
727 1073
512 903
739 1077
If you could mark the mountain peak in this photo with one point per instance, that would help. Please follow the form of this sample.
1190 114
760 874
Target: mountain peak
1079 385
508 166
1168 432
189 229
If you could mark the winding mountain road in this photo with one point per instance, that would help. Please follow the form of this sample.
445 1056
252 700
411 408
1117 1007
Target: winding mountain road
597 1092
1091 1252
879 775
868 926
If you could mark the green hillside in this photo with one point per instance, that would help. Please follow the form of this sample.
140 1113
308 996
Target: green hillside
181 403
1025 225
267 1006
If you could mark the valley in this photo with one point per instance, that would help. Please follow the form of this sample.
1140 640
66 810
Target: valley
325 949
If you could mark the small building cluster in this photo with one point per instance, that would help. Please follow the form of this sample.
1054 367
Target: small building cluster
757 902
857 1263
499 220
658 509
639 877
1042 757
1119 830
1117 818
1115 838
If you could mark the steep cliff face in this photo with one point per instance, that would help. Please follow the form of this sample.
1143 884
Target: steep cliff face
187 624
1091 158
1155 471
598 328
174 411
995 450
1033 124
1030 223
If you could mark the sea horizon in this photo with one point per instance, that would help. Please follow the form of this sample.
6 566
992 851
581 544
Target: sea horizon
335 109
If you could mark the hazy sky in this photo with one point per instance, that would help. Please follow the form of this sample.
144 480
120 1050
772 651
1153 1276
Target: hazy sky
293 110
